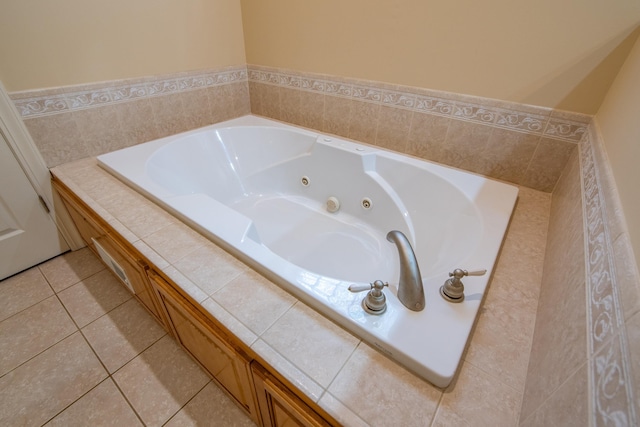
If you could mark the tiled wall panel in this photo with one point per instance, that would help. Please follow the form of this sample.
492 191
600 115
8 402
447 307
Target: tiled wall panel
75 122
517 143
520 144
559 341
584 365
613 291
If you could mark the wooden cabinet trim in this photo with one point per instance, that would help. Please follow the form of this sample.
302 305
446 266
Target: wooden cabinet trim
128 257
240 387
166 286
123 245
272 394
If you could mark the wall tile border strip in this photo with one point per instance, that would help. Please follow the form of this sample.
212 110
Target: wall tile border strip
535 120
522 118
46 102
610 378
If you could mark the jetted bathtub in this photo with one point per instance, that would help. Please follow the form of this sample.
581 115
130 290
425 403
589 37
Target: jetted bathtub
312 212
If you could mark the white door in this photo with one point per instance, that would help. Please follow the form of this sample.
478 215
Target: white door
28 235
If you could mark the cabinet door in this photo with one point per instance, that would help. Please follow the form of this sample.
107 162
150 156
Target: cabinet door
280 407
199 337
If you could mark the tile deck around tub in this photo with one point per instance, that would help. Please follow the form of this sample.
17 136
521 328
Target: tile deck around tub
339 380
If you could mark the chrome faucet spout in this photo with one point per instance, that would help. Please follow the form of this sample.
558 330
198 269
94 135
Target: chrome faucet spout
410 288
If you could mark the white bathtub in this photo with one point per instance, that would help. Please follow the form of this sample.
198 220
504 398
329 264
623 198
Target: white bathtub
241 183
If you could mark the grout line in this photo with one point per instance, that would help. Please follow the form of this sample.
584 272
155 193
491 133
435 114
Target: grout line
79 398
493 376
111 375
191 398
126 399
53 292
438 409
139 354
106 313
79 281
27 308
551 396
351 355
525 171
40 352
326 389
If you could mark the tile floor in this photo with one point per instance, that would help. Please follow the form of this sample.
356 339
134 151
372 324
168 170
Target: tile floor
76 349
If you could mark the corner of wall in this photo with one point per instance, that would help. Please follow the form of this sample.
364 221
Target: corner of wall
613 292
585 362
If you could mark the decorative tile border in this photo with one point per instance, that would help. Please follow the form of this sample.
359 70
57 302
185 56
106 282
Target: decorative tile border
450 105
565 129
58 101
610 377
436 106
456 106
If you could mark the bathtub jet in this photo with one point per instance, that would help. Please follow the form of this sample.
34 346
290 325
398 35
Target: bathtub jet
239 183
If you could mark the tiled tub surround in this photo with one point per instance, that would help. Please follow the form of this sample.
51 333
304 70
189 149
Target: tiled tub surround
521 144
75 122
584 365
330 366
583 373
224 182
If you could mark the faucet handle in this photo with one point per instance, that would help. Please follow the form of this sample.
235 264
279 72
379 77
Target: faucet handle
453 289
375 302
378 285
360 288
459 273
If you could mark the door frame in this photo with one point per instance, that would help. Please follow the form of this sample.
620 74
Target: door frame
30 160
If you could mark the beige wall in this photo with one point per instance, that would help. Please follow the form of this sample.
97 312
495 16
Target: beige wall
67 42
555 54
561 54
619 124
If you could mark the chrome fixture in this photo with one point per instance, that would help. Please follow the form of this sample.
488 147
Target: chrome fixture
410 289
453 288
375 302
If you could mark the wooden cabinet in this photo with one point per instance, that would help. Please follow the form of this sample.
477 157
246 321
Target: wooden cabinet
279 407
100 238
265 399
203 339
